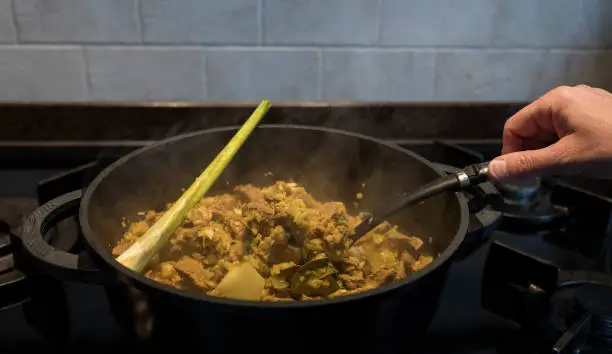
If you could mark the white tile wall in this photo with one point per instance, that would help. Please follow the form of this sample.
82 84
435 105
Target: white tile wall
321 22
369 50
529 23
136 73
7 28
598 14
593 68
438 22
42 73
76 21
197 21
374 74
471 75
255 74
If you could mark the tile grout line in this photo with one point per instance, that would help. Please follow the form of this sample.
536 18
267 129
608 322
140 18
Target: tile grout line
138 18
435 75
260 22
87 77
379 6
320 67
203 73
27 44
14 22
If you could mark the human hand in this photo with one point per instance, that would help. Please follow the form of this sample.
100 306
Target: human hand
568 131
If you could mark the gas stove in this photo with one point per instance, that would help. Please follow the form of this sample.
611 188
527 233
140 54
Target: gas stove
538 281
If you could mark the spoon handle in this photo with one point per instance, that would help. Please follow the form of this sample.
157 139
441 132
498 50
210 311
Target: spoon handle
469 176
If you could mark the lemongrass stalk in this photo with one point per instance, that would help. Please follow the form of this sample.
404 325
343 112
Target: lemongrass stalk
138 255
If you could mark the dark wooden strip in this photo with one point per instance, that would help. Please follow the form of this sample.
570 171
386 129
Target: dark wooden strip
94 122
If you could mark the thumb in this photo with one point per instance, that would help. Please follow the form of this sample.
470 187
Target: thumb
527 163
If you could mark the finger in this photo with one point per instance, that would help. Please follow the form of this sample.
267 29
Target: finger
513 142
539 162
595 90
602 92
537 119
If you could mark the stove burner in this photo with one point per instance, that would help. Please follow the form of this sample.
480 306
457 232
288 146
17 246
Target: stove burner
568 311
13 283
524 190
527 203
533 292
588 326
596 301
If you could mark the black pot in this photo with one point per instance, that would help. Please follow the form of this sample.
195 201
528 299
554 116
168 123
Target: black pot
330 164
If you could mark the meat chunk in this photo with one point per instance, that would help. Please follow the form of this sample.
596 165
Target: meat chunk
383 255
207 208
421 263
165 273
257 212
218 243
275 248
195 271
249 194
134 232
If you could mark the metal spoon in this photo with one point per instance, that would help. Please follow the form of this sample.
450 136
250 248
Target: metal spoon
316 277
468 177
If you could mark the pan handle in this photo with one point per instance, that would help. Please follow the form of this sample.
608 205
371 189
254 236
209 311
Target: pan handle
55 262
485 205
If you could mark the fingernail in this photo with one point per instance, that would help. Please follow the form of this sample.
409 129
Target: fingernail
497 169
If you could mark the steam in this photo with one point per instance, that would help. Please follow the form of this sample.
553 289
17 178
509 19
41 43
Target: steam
331 166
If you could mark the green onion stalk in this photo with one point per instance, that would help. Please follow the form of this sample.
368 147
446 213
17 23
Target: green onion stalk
139 254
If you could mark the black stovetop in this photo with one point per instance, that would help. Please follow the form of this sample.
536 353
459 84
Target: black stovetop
568 233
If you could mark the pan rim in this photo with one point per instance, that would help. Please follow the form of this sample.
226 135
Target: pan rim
131 276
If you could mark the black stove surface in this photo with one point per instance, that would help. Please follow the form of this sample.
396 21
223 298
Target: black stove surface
545 219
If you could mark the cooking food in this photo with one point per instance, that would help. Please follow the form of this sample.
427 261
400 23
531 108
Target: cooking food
141 252
334 163
276 243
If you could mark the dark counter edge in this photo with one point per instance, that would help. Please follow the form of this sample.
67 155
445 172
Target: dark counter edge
145 121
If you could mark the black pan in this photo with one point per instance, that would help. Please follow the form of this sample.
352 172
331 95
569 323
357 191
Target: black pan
330 164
